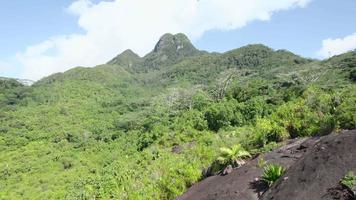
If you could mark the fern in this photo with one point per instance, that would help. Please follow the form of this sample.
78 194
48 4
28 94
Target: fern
272 173
233 155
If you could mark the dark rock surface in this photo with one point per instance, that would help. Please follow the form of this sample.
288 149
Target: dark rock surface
314 169
243 182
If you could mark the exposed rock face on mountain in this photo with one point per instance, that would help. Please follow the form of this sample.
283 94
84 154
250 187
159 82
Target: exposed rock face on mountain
178 43
170 49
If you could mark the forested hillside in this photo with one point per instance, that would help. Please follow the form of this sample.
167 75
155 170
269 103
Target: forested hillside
145 127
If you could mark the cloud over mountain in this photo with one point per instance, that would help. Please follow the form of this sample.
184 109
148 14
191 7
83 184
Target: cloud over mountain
113 26
332 47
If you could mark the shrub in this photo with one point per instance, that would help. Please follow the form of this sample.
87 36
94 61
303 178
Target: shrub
67 163
349 180
261 162
201 101
306 117
233 156
353 75
191 119
219 115
267 131
345 113
272 172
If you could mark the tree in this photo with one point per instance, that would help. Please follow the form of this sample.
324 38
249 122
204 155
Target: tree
219 115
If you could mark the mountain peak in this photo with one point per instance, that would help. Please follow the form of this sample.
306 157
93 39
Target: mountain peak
126 58
171 49
177 42
128 52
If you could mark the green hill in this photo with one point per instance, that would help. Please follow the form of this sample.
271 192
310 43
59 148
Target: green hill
145 127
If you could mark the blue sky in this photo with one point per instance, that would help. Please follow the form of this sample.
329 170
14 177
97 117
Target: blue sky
40 37
299 30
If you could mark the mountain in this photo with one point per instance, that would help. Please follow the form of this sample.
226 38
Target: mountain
171 49
21 81
145 127
8 82
11 91
127 59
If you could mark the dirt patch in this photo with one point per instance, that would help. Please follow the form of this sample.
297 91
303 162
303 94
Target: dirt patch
340 192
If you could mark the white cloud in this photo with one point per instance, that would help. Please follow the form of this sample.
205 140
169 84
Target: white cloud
331 47
111 27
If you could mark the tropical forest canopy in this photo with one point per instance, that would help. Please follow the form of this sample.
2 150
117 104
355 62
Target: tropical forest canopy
145 127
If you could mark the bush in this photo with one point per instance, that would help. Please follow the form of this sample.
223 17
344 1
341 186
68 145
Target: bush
349 180
346 111
219 115
272 172
305 118
201 101
267 131
233 156
67 163
353 75
191 119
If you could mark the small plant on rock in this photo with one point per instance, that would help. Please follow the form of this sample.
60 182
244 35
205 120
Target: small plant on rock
233 156
349 180
272 172
261 163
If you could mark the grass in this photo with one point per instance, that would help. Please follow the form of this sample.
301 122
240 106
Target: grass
272 172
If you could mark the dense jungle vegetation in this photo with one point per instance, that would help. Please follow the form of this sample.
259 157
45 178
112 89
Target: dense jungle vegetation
145 127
